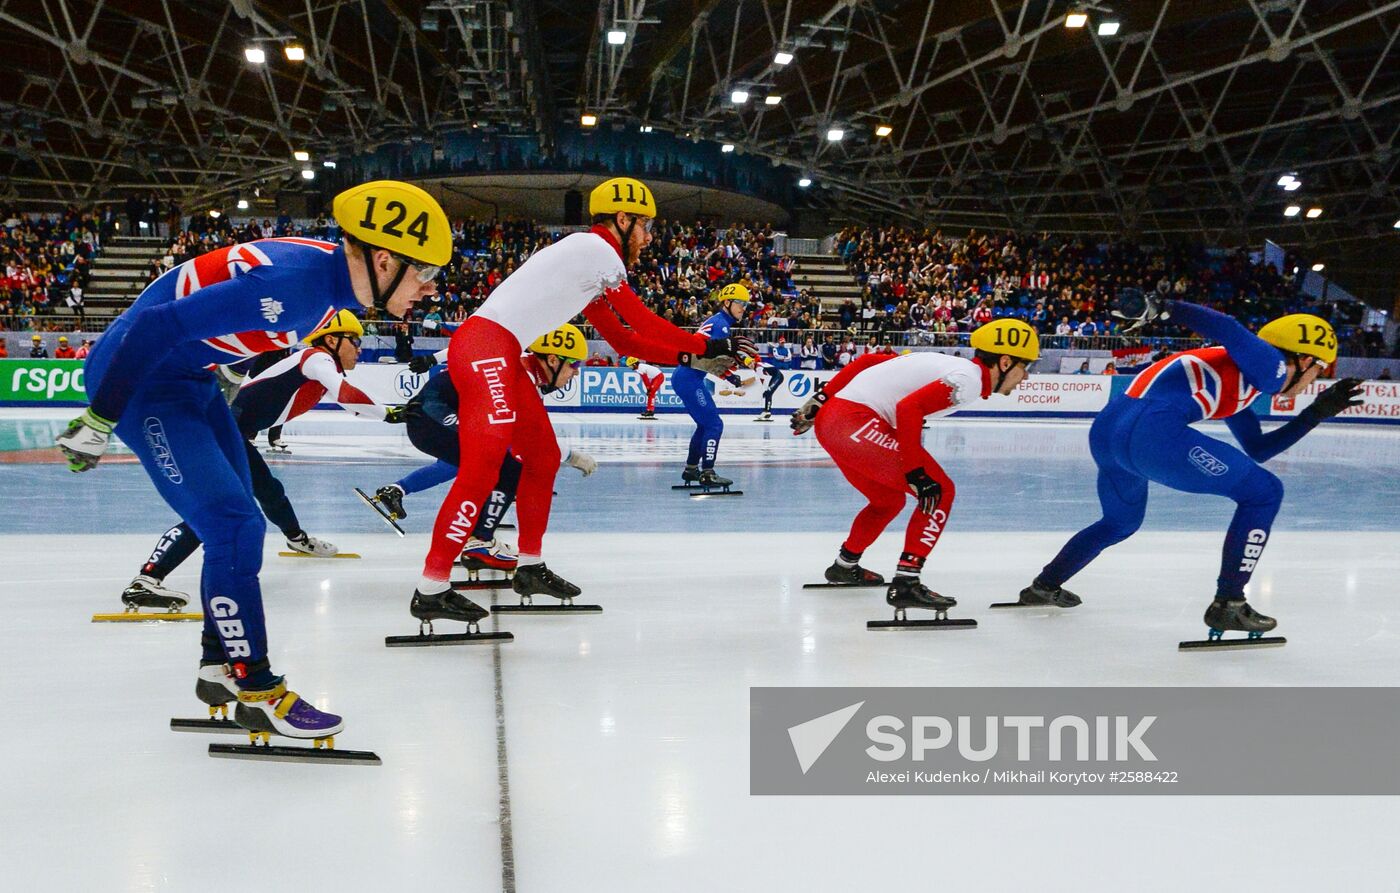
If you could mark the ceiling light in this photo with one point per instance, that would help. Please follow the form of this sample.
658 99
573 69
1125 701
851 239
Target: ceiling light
772 99
617 38
254 55
1108 29
1314 213
1291 211
308 174
215 213
1076 20
1294 186
782 58
588 120
807 181
1286 179
727 147
645 128
1397 224
835 135
301 155
1318 268
242 204
739 97
328 163
294 52
883 130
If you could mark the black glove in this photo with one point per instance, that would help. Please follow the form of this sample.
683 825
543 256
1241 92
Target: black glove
926 488
731 346
1341 396
396 415
734 380
1139 307
805 416
422 363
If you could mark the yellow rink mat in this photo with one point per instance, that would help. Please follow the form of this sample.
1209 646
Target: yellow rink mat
138 617
304 555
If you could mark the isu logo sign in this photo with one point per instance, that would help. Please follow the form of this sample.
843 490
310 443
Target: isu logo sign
407 383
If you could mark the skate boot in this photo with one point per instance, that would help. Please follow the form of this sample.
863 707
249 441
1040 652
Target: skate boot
764 416
310 545
907 592
279 711
647 414
147 592
278 446
708 480
536 579
390 498
1039 596
690 475
478 555
855 575
214 686
1235 614
446 605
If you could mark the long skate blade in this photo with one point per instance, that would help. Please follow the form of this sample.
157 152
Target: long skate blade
546 609
478 585
711 493
845 585
279 753
685 486
421 641
921 624
222 726
1028 607
767 421
369 501
306 555
1232 644
141 617
505 526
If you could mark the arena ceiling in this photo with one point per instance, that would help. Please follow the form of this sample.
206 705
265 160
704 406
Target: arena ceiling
1178 126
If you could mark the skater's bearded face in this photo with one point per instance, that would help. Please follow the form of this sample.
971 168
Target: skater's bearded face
1012 372
640 236
1302 371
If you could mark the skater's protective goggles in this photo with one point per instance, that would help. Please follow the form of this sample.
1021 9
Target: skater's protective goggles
645 223
424 274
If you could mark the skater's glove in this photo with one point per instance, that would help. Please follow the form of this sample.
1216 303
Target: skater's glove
1138 307
85 440
734 380
396 415
1341 396
422 363
582 461
925 488
230 380
734 346
805 416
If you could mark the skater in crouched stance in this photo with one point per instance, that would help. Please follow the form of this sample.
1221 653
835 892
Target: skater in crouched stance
869 417
499 406
149 379
1145 434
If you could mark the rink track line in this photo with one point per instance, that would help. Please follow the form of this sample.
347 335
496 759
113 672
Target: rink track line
502 764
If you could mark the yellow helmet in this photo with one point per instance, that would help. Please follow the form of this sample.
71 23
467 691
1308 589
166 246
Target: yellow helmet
1302 333
734 291
622 194
1010 337
397 217
632 362
343 323
566 341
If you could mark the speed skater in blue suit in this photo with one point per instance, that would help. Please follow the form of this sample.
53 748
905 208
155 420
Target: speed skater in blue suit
690 385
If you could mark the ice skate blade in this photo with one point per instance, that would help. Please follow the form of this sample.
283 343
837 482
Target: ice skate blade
305 555
148 617
505 526
1027 607
221 726
378 510
1232 644
546 609
766 421
280 753
706 494
883 585
685 486
921 624
477 585
420 641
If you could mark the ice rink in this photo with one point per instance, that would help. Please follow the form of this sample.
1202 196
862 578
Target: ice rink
610 752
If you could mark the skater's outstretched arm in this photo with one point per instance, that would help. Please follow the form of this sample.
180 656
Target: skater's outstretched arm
601 315
851 370
318 366
1261 447
662 335
1260 362
909 414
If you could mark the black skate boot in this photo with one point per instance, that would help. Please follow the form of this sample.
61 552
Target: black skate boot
536 579
390 497
148 592
446 605
1235 614
1038 596
854 575
709 479
907 592
690 475
647 414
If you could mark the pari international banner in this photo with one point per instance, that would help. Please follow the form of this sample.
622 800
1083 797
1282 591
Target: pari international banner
1056 741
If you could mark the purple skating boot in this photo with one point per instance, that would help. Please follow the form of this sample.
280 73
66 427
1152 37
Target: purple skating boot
279 711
